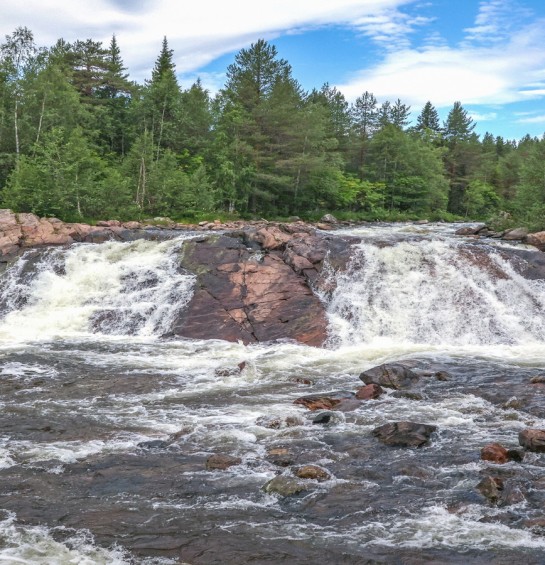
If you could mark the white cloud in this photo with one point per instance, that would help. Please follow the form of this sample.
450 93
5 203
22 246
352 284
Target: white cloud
474 73
533 120
198 33
483 116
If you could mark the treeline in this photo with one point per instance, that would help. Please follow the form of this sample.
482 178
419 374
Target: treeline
79 140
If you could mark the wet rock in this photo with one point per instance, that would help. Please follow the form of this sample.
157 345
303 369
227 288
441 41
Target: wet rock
404 434
285 486
516 455
323 418
491 488
153 444
407 395
470 230
391 375
280 456
532 439
495 453
513 403
538 379
303 381
329 219
222 462
515 234
537 525
512 494
243 297
442 376
326 401
536 239
277 422
312 472
369 392
227 371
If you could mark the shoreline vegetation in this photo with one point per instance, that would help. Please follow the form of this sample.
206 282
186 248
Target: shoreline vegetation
80 141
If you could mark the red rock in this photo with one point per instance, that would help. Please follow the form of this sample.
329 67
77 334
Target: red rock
108 223
495 453
536 239
240 298
313 403
369 392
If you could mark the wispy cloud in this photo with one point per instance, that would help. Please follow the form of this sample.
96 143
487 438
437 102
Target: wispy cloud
532 120
503 71
483 116
209 29
390 29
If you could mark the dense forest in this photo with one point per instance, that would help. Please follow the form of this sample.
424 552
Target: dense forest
79 140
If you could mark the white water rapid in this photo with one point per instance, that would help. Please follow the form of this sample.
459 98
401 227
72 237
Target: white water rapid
106 427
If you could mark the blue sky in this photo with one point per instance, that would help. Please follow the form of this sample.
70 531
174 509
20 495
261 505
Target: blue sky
489 54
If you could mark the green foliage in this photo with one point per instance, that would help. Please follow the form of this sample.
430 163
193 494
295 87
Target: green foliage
79 140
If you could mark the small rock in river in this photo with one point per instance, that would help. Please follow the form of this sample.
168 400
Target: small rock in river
280 456
495 453
323 418
392 375
442 376
490 487
404 434
369 392
153 444
222 462
532 439
325 401
312 472
538 379
285 486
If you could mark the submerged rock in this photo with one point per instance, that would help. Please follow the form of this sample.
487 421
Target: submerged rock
222 462
404 434
532 439
285 486
391 375
491 488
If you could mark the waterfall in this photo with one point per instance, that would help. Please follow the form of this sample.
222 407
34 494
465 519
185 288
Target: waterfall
437 292
114 288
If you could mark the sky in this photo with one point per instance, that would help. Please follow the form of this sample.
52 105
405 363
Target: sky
487 54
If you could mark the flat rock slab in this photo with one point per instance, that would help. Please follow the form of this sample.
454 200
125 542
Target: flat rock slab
404 434
247 296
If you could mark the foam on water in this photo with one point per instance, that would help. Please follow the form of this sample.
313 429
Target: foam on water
28 545
113 288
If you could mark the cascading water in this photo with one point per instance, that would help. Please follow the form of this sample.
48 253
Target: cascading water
105 429
114 288
438 292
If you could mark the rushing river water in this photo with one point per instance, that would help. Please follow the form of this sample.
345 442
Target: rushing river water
87 399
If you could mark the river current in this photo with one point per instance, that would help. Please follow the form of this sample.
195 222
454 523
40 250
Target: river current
105 426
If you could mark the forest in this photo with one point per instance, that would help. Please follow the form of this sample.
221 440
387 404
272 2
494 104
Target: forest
80 141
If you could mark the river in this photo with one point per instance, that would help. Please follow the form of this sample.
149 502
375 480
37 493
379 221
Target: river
106 426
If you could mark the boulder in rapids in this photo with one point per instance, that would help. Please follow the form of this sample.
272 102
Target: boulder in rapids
515 234
532 439
329 219
404 434
470 230
491 488
222 462
536 239
285 486
495 453
390 375
312 472
328 401
369 392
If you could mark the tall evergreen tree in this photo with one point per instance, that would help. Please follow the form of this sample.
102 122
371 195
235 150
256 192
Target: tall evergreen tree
428 119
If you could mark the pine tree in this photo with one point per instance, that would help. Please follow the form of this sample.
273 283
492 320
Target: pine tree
428 120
